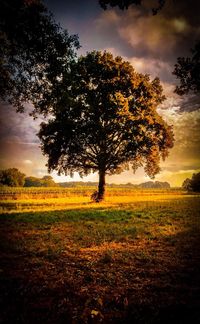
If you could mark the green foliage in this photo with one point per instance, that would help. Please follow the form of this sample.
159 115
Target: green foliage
34 54
12 178
187 70
110 122
192 184
46 181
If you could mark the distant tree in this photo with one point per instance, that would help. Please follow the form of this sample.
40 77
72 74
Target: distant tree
187 70
34 54
192 184
12 177
125 4
187 184
46 181
110 124
32 182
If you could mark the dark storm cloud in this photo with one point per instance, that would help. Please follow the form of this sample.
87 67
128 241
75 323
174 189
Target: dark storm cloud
184 8
16 127
190 103
188 12
153 43
174 167
165 36
135 32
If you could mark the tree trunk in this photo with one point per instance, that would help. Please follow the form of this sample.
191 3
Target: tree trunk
101 187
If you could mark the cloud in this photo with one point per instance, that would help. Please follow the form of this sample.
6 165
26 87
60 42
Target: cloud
108 18
27 162
176 178
190 102
19 144
17 127
153 35
176 104
151 66
164 37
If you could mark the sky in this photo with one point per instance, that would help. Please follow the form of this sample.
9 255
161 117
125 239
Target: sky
151 44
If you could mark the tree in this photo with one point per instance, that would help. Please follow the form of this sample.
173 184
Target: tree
12 178
196 182
125 4
35 54
110 123
187 184
46 181
192 184
187 70
32 182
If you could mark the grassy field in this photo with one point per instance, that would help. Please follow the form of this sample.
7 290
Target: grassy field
131 259
35 199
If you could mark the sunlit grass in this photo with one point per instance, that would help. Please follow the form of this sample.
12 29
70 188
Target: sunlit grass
40 199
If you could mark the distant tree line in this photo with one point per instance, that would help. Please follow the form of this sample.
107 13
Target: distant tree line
46 181
144 185
14 178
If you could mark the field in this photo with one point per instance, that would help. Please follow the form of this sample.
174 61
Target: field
131 259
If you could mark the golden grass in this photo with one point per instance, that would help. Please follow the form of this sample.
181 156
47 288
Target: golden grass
46 199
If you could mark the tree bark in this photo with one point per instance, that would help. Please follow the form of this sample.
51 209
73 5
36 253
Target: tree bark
101 187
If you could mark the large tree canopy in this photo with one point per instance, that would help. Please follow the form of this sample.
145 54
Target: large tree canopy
110 123
187 70
34 54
